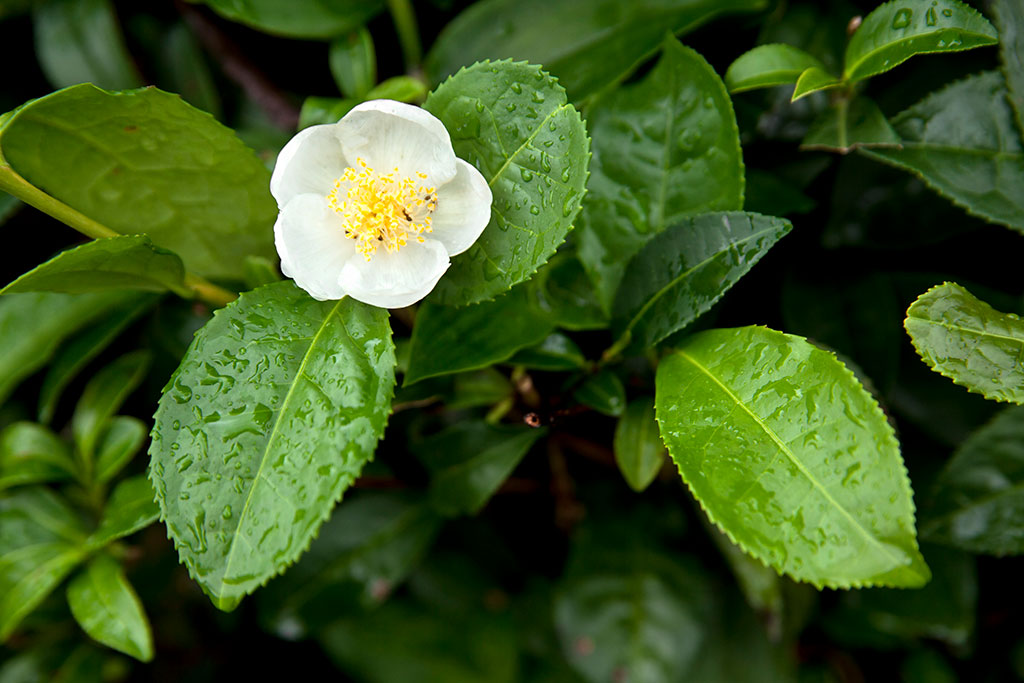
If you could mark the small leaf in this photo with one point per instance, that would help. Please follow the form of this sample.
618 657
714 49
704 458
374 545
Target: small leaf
968 341
682 272
32 454
768 65
106 607
638 448
320 110
275 408
131 507
353 63
791 457
603 392
848 125
115 449
896 31
299 18
556 353
512 121
1010 19
102 397
814 79
130 262
401 88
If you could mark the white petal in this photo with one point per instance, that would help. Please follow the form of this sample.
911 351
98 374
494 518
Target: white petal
463 209
398 279
388 135
312 245
309 163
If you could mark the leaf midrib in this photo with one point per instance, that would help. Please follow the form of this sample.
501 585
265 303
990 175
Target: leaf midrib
970 330
527 141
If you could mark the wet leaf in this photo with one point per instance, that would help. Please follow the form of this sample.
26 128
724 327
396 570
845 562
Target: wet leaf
848 125
556 353
32 454
106 607
814 79
638 448
299 18
790 457
131 507
277 405
768 65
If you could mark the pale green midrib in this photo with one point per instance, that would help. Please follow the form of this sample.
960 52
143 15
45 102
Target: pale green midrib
848 71
796 461
526 142
273 435
969 330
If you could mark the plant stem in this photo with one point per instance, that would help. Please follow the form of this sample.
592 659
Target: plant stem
408 32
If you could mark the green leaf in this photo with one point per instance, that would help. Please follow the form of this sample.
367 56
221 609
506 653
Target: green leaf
41 543
276 406
32 326
32 454
603 392
79 41
665 148
320 110
106 607
144 160
260 271
1010 19
121 441
128 262
849 125
768 65
680 273
898 30
512 121
447 339
638 448
479 388
761 586
353 63
470 460
182 65
814 79
131 508
963 338
978 500
790 457
102 397
563 291
401 88
963 143
588 44
556 353
299 18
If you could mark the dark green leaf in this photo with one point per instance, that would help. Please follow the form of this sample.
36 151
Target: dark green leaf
771 195
401 88
353 63
791 457
131 507
512 121
564 292
183 67
768 65
603 392
638 448
101 399
277 405
320 110
106 607
848 125
556 352
260 271
813 80
1010 19
121 441
32 454
300 18
480 388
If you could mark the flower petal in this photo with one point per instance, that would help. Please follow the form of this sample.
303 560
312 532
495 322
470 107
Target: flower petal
388 135
311 242
398 279
309 163
463 209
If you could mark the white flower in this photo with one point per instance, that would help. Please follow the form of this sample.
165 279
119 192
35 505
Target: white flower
373 206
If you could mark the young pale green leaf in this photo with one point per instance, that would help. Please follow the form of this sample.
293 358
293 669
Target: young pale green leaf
978 499
963 143
637 444
680 273
963 338
512 121
790 457
665 148
470 460
563 291
353 63
588 44
603 392
812 80
42 541
556 353
276 406
849 125
768 65
447 339
106 607
148 162
299 18
320 110
131 507
127 262
32 454
1010 19
102 397
899 29
120 442
79 41
401 88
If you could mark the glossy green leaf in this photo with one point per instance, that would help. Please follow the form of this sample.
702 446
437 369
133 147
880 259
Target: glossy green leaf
145 161
848 125
131 507
790 457
814 79
319 110
470 460
128 262
978 499
638 448
123 438
32 454
401 88
447 339
768 65
899 29
963 143
102 397
963 338
603 392
277 405
556 353
299 18
588 44
79 41
41 543
680 273
353 63
664 148
1010 19
106 607
564 292
512 121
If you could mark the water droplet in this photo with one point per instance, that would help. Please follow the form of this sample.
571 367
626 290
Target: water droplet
930 17
538 96
902 18
516 88
535 210
526 174
176 424
570 205
510 107
565 175
226 512
947 12
480 106
545 162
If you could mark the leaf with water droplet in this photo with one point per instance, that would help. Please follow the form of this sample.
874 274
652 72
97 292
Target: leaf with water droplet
768 65
317 394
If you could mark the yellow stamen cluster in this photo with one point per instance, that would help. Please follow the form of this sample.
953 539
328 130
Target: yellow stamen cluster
382 210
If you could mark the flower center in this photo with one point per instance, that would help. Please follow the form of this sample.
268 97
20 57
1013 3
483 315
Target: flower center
382 210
